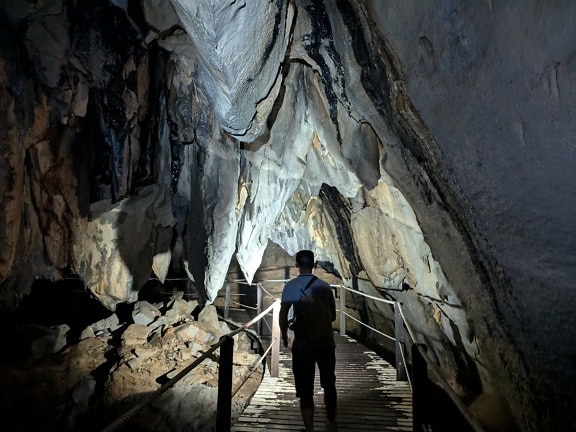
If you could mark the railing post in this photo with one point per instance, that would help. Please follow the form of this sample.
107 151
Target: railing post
342 307
275 359
259 308
419 389
227 301
224 407
399 336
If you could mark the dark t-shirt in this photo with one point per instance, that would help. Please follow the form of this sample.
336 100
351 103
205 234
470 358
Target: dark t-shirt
314 312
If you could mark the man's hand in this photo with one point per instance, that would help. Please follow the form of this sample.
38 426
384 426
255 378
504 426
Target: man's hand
287 341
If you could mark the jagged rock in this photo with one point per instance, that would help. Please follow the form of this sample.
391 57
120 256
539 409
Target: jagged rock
135 363
192 305
178 310
187 332
138 228
145 352
88 332
110 324
192 332
61 332
160 15
159 322
224 328
208 316
84 390
52 341
144 313
245 359
135 334
241 67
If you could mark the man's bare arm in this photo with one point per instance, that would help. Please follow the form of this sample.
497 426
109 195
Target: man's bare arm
283 321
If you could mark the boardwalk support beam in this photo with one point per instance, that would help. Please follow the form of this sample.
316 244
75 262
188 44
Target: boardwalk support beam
275 359
419 389
399 336
342 308
224 408
259 308
227 301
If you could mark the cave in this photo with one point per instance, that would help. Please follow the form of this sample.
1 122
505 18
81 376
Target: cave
155 149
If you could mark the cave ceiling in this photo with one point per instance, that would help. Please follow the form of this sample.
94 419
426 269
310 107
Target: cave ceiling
427 150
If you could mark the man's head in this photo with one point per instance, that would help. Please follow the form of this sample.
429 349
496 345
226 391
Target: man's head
305 260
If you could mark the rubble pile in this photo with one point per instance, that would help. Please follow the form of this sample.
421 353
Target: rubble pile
114 364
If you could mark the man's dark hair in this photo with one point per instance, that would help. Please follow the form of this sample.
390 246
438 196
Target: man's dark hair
305 258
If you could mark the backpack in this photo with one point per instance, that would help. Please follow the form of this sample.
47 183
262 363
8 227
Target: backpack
298 321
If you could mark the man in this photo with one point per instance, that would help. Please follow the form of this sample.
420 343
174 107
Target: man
314 311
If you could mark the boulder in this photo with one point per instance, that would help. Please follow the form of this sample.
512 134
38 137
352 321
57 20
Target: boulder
88 332
135 334
144 313
109 324
84 390
161 321
178 310
209 317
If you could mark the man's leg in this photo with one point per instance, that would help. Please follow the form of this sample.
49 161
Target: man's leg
304 367
327 367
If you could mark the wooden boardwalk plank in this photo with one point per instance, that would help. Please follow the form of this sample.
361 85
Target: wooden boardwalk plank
369 397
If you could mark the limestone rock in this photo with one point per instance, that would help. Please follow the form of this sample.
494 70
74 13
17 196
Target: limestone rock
135 334
161 321
178 310
88 332
144 313
109 324
245 359
84 390
208 316
240 46
136 227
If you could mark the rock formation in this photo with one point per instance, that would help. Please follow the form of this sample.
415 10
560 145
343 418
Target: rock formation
85 384
425 149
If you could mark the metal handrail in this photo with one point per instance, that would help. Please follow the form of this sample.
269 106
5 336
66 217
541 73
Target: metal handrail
439 377
127 416
366 295
366 325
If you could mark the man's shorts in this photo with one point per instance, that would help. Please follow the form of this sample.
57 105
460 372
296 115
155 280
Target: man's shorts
304 360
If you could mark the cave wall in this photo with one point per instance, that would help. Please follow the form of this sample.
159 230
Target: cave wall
409 145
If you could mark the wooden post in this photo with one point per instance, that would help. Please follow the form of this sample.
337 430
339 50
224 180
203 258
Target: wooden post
399 336
275 359
258 308
419 389
342 308
224 407
227 301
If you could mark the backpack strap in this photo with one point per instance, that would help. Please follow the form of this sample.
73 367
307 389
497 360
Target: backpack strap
310 282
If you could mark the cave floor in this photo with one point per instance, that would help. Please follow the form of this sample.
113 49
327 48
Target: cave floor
369 397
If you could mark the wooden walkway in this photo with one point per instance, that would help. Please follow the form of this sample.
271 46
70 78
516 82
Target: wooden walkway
369 397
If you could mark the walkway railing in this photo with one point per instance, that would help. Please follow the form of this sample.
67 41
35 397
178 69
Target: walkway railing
225 369
421 362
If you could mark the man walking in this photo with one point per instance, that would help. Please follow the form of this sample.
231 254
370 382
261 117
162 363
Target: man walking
314 310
